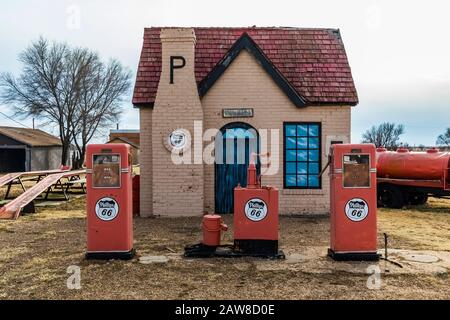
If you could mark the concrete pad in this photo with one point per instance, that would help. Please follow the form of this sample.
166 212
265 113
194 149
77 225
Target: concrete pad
424 258
315 260
421 261
174 256
153 259
295 258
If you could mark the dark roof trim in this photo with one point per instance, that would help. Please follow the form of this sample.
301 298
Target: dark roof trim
334 104
144 105
246 42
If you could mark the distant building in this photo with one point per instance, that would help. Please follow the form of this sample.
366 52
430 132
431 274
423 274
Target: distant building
130 137
23 149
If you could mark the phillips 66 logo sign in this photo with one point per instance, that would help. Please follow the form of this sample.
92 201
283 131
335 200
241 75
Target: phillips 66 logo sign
255 209
106 209
356 209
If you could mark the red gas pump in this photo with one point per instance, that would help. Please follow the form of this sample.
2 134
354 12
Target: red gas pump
353 202
109 202
256 216
255 223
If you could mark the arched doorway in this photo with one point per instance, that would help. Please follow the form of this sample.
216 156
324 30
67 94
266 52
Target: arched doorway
233 146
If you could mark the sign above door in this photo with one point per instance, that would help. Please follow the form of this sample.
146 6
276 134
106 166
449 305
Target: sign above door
237 113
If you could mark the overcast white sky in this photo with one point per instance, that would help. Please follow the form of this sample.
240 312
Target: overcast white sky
399 51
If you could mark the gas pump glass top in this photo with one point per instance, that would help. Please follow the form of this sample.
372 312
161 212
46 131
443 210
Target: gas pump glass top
356 170
106 171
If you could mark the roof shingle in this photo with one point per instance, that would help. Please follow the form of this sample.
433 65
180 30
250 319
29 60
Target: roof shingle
314 61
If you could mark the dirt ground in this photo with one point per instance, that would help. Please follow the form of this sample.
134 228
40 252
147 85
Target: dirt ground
37 249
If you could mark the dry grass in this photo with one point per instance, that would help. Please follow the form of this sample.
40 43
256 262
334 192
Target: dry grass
424 227
37 249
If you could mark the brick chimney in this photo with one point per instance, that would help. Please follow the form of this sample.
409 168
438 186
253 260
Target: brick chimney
177 188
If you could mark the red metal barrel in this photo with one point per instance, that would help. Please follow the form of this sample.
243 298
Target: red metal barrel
403 164
212 226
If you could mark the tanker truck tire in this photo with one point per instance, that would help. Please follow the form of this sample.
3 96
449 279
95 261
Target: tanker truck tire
390 196
417 198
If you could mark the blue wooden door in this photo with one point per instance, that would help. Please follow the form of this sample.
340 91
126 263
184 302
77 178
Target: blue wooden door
232 160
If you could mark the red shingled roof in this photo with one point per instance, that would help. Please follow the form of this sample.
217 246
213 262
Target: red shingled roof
312 60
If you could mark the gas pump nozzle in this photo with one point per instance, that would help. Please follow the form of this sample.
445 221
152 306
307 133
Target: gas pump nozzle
326 166
253 180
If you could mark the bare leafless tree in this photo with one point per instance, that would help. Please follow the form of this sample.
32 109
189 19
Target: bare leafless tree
384 135
444 139
102 90
70 88
44 88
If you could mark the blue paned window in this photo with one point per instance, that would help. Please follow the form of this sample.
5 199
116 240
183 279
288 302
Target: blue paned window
302 155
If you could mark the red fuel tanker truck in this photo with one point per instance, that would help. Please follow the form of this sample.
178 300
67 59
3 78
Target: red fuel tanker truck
407 177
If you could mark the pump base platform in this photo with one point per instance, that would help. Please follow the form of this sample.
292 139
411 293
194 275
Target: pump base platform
353 256
111 255
227 251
